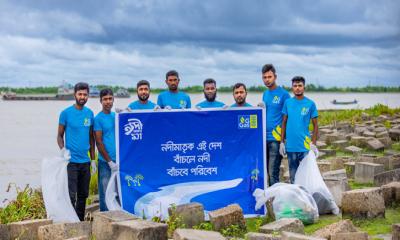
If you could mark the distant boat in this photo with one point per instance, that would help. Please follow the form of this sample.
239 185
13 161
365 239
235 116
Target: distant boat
94 92
344 102
122 93
64 92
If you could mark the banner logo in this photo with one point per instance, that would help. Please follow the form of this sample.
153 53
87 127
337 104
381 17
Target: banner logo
134 128
247 121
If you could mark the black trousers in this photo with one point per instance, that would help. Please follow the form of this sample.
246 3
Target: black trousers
78 186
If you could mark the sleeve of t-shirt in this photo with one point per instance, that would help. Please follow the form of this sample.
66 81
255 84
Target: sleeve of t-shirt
189 105
97 125
63 118
314 111
284 109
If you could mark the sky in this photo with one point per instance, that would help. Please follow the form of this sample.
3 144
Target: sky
117 42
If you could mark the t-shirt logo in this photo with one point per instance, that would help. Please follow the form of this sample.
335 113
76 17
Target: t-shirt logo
276 100
182 103
86 122
304 111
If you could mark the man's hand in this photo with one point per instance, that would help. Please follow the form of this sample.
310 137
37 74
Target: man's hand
282 149
156 108
261 105
314 149
93 166
65 153
113 166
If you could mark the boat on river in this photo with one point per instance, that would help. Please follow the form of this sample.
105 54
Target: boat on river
336 102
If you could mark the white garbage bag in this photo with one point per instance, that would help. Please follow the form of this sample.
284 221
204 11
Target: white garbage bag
55 190
309 176
290 201
112 193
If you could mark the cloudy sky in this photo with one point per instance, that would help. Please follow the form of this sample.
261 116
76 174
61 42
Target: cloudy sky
118 42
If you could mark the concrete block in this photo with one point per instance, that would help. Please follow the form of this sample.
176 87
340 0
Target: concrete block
340 144
391 193
324 166
350 169
60 231
375 145
191 214
192 234
350 236
297 236
394 134
396 231
261 236
4 232
102 228
363 203
223 217
365 172
27 230
337 187
336 174
139 230
387 177
283 224
343 226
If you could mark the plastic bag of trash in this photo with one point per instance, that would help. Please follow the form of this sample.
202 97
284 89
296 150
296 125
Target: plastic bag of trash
112 193
290 201
55 190
309 176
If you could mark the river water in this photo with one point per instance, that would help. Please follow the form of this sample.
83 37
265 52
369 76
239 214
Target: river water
28 129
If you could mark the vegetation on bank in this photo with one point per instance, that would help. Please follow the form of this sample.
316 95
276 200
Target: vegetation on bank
199 89
27 205
353 116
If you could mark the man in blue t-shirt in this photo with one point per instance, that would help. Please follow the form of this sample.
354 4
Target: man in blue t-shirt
143 93
240 94
297 113
273 99
104 129
76 122
173 98
210 93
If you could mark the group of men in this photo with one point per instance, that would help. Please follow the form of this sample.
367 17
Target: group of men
287 128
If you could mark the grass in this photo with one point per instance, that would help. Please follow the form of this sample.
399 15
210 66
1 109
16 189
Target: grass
380 225
396 146
27 205
353 116
353 185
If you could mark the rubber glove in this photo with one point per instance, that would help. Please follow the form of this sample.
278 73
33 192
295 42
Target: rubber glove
113 166
314 149
93 166
65 153
282 149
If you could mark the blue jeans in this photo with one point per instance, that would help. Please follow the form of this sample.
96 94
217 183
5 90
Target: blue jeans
103 178
274 160
294 159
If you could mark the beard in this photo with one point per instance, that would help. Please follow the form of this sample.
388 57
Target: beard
143 97
240 100
210 98
80 102
299 94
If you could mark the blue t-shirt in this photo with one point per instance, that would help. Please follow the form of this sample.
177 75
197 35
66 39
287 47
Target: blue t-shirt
274 100
245 105
299 113
106 124
174 100
77 125
208 104
139 105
